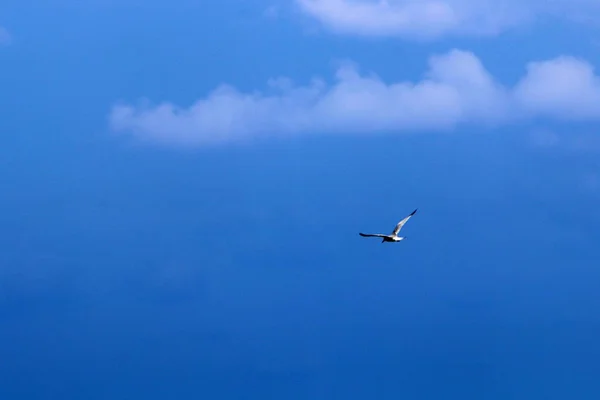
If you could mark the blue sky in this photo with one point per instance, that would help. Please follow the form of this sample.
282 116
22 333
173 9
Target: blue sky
183 184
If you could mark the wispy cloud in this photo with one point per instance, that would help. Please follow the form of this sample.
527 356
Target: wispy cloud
427 19
432 19
272 12
456 89
583 140
5 37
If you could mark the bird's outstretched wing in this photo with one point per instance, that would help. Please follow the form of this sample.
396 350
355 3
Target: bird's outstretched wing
401 223
371 234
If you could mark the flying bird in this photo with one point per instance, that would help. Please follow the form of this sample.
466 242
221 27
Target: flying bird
393 237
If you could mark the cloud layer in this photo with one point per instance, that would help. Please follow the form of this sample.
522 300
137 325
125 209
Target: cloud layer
456 89
432 19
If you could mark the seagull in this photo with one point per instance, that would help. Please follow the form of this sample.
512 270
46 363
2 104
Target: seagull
393 237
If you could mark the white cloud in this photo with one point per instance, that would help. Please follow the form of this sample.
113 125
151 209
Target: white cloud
565 87
5 37
432 19
456 89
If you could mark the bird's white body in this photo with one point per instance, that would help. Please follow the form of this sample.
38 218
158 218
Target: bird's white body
393 237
